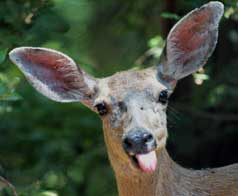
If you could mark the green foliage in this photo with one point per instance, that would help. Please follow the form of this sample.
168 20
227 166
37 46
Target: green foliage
52 149
7 88
170 16
3 54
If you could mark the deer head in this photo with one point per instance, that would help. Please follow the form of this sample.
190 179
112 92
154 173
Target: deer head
132 104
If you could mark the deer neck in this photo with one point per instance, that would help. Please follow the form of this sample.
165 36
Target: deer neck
160 183
133 182
169 179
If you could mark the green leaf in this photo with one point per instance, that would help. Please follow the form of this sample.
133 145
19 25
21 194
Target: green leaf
229 12
11 97
170 16
3 54
3 89
47 193
156 41
201 76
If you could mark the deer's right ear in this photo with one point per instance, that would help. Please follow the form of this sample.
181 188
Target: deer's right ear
190 43
55 75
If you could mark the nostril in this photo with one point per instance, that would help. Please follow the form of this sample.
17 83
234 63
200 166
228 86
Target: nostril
128 143
138 142
148 138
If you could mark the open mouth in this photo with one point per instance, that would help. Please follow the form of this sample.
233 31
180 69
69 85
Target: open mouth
146 162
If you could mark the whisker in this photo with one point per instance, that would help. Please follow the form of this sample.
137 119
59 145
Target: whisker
173 116
175 113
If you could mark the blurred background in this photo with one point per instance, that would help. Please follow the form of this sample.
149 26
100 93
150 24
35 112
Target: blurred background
52 149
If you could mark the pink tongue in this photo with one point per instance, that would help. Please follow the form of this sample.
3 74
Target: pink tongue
147 162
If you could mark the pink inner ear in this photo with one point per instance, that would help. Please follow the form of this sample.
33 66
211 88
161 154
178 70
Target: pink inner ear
52 69
190 35
54 74
190 43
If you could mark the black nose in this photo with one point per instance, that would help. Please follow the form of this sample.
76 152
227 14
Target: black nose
139 142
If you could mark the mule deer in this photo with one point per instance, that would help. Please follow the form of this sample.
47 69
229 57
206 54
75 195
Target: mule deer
132 105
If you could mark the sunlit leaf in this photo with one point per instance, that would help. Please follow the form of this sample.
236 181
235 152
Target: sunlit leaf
170 16
156 41
47 193
201 76
228 12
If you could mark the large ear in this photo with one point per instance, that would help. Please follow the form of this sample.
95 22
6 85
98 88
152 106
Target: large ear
190 43
54 74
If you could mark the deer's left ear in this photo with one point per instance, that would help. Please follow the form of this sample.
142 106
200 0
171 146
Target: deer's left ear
54 74
190 43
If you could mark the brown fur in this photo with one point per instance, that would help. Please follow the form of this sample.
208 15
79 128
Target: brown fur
170 178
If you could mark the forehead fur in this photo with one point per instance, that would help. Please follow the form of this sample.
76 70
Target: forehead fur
134 80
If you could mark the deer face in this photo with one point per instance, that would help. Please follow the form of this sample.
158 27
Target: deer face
132 104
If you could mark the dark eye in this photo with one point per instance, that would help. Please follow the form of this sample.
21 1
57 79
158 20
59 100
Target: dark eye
101 108
163 97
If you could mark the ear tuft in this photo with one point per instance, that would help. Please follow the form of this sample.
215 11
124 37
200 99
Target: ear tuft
217 6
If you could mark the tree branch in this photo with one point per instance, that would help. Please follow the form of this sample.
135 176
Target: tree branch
9 185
